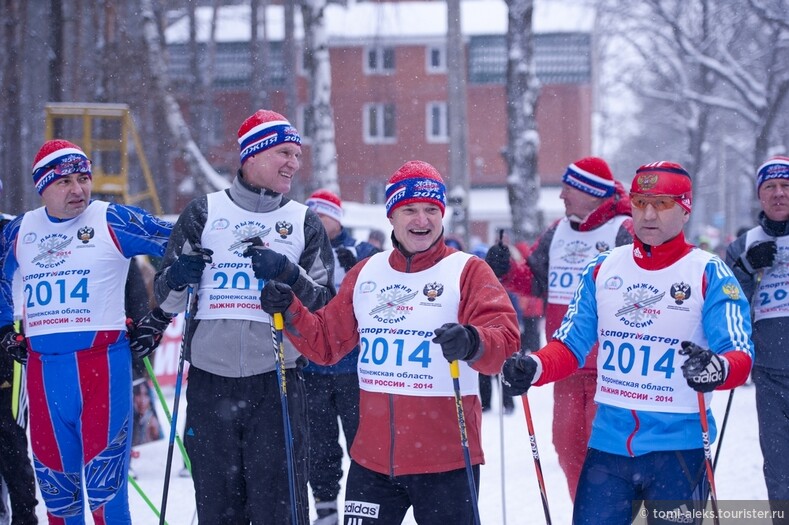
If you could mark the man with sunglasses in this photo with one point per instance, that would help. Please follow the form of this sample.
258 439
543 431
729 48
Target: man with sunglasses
671 322
72 255
597 218
760 259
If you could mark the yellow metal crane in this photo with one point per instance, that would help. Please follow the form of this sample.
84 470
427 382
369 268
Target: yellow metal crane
107 134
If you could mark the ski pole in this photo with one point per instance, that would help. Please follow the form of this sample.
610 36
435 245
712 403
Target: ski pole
144 496
454 370
723 430
277 325
178 380
501 446
705 438
163 402
536 455
16 382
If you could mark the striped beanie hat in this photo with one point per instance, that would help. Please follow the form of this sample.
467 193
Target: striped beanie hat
415 181
325 202
590 175
56 159
774 168
263 130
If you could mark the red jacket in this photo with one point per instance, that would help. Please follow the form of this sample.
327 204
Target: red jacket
399 434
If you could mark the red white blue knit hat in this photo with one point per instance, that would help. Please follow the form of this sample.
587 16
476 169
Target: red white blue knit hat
325 202
415 181
56 159
263 130
590 175
774 168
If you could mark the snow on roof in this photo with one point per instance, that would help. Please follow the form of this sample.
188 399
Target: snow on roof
365 20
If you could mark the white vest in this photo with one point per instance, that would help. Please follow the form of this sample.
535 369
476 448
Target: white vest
397 313
73 275
772 293
571 251
641 324
228 288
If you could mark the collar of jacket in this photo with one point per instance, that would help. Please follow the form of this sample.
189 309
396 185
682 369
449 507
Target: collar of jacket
616 204
253 199
658 257
416 262
773 228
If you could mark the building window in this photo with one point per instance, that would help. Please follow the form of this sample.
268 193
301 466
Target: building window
436 59
379 60
379 123
304 122
436 122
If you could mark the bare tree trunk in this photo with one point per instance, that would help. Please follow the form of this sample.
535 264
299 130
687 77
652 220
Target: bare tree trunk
459 192
523 184
289 55
14 25
207 178
316 43
259 55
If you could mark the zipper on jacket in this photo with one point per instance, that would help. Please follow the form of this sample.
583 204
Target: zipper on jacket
391 436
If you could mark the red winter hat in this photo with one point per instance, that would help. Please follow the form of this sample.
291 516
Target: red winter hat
664 178
325 202
56 159
263 130
415 181
590 175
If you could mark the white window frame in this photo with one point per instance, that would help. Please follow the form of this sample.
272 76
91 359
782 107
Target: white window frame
442 66
381 113
379 69
443 133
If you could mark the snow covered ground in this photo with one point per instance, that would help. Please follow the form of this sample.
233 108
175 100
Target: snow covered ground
738 476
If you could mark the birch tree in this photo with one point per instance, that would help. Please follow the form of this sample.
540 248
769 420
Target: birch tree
523 141
321 124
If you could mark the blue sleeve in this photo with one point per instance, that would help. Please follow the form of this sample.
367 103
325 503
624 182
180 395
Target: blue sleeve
136 231
578 330
8 265
725 301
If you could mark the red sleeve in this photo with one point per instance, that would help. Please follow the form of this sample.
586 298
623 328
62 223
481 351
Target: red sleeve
557 361
330 333
485 305
518 279
739 367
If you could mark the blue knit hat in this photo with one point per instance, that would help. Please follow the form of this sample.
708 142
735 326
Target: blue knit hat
774 168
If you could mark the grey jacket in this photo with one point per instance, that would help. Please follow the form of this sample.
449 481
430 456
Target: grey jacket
233 347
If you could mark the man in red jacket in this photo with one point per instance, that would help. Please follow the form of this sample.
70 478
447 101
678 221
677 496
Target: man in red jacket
597 218
410 310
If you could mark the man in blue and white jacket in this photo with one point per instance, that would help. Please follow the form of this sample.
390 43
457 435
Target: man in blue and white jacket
671 321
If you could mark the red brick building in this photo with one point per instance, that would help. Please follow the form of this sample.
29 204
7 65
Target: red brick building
389 88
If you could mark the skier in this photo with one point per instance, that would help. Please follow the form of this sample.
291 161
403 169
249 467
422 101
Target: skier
671 321
247 235
73 255
400 306
597 218
759 259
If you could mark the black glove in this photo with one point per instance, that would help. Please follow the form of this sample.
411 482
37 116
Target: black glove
518 374
498 258
268 264
458 342
275 297
346 258
188 268
704 370
13 344
144 337
761 254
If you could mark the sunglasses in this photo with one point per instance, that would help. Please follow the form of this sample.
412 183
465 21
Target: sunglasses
659 202
77 165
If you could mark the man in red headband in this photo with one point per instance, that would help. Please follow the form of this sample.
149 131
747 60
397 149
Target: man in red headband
670 320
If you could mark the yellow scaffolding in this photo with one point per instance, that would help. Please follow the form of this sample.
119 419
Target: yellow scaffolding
103 132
